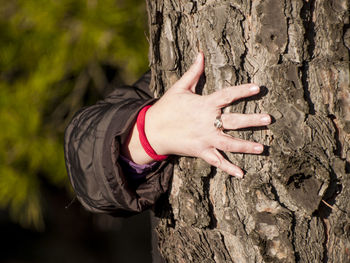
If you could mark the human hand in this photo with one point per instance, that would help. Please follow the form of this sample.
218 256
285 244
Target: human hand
182 122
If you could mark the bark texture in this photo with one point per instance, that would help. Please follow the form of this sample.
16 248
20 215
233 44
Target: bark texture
293 204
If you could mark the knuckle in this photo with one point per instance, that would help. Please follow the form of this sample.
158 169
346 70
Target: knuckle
214 161
224 145
225 118
232 121
248 148
226 96
192 71
243 148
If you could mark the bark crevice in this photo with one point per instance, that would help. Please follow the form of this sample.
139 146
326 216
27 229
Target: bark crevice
293 237
307 14
206 192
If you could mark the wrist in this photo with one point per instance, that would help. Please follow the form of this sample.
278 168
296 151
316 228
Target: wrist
133 150
154 132
141 120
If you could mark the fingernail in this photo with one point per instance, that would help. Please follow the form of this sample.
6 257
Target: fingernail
199 57
266 119
239 174
259 148
254 88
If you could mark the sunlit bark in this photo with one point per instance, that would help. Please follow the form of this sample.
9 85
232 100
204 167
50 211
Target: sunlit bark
293 204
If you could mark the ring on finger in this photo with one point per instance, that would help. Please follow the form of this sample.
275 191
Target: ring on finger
218 123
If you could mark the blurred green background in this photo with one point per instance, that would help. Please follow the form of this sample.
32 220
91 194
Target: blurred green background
55 57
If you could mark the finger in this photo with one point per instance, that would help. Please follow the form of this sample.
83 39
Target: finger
190 79
226 96
233 121
214 158
227 143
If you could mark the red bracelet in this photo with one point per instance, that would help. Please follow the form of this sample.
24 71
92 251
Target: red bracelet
142 135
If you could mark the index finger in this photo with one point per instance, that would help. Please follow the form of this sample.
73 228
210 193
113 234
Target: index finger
226 96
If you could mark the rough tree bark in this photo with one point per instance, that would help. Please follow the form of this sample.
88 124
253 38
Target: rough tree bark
293 204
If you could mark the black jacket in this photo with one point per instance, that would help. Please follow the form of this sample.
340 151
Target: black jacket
91 147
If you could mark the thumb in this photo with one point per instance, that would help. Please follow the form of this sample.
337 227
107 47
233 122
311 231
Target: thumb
190 79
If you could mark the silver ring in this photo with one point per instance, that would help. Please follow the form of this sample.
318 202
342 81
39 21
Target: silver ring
218 123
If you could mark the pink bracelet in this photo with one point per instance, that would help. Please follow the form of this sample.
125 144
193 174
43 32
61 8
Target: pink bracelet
142 135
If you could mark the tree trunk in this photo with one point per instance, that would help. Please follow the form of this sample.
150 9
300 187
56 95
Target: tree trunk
293 204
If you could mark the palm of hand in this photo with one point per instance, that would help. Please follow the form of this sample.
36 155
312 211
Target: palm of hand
182 122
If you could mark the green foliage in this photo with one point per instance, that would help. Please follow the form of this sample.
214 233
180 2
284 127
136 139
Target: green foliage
50 53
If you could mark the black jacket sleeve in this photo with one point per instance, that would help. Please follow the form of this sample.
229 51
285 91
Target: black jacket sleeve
91 147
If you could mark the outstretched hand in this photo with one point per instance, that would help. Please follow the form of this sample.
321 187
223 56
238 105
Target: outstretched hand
181 122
